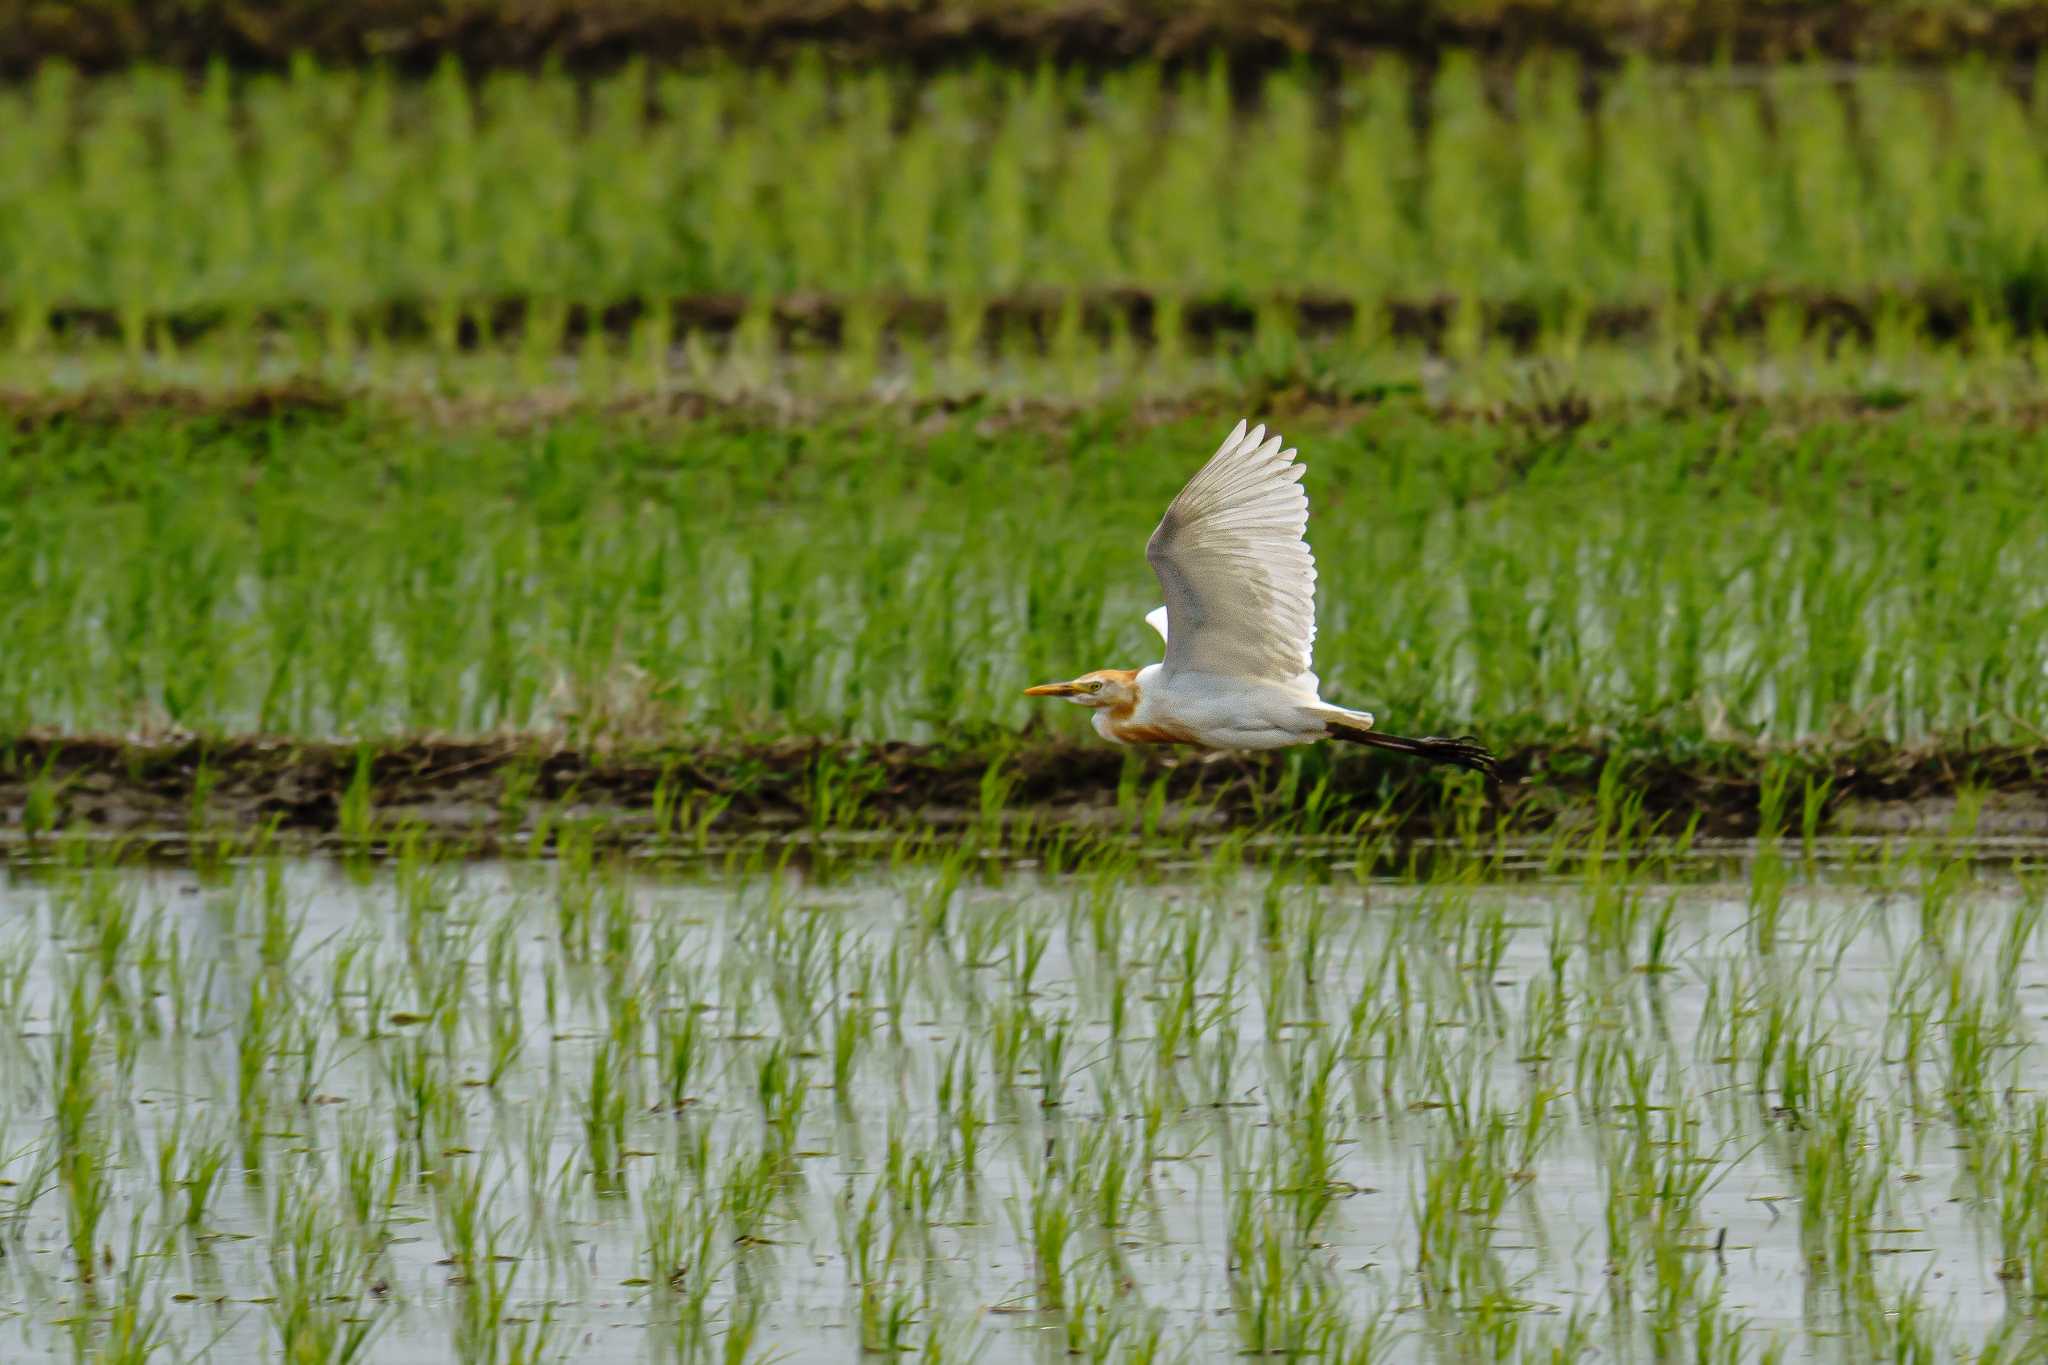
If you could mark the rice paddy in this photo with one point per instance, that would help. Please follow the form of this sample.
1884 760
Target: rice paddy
333 213
1695 579
941 1106
521 839
1195 1074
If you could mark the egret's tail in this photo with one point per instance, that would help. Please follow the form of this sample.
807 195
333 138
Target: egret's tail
1463 752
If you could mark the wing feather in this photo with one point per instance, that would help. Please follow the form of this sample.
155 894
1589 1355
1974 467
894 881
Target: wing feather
1239 580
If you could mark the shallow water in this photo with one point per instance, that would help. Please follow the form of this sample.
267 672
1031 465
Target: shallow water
1419 1003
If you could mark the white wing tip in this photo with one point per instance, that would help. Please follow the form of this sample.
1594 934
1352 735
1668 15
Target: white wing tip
1246 439
1156 618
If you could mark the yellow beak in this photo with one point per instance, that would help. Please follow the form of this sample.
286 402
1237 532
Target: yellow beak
1065 689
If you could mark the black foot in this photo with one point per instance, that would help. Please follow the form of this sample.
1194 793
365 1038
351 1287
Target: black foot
1465 751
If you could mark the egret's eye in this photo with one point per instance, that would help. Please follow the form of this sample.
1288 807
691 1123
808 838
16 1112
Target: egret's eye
1095 686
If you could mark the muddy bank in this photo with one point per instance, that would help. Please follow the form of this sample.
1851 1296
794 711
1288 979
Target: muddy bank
594 35
811 321
486 794
1279 397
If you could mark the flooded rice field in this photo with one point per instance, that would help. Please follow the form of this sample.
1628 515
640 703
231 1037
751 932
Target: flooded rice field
1779 1103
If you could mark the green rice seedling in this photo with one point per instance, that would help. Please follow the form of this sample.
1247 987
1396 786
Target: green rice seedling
356 815
960 1107
1115 1173
41 802
553 1182
318 1281
1791 1052
575 891
483 1310
258 1041
1656 954
1308 1183
837 791
462 1213
1280 1298
1903 1326
1010 1031
1976 1073
1046 1225
1545 1023
193 1164
742 1332
426 1107
751 1188
616 927
854 1028
2007 1167
504 1024
1094 1323
1940 894
1462 1200
884 1310
782 1087
1813 807
680 1046
1841 1185
137 1325
803 952
350 1020
988 937
680 1239
515 798
605 1103
1768 874
2022 930
311 1048
18 960
1051 1041
529 1341
934 901
371 1181
108 921
83 1150
1216 1059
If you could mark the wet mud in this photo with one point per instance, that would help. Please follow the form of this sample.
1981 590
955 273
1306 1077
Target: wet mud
488 793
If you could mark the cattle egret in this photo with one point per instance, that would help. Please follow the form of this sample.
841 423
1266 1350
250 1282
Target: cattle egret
1239 621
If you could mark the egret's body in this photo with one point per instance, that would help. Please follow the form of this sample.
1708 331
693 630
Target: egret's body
1239 624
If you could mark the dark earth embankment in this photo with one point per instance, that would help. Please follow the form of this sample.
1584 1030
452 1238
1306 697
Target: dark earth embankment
483 793
596 34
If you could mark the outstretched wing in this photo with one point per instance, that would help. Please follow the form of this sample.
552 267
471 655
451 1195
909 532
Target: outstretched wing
1239 580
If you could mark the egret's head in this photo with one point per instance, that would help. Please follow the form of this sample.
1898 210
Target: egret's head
1111 687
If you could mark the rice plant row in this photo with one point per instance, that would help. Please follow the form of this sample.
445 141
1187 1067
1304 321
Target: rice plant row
343 197
1719 575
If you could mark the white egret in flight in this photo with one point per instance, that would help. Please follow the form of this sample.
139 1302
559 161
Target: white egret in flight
1239 621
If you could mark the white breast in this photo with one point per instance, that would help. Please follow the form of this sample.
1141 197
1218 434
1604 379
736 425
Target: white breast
1224 713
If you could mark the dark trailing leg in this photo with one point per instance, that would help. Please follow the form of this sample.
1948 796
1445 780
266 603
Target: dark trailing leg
1462 752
